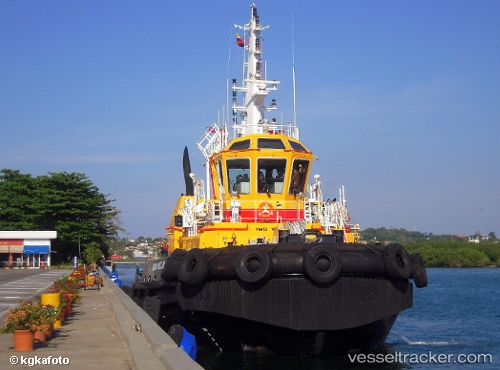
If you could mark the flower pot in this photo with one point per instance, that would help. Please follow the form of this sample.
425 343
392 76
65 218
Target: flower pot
39 336
23 340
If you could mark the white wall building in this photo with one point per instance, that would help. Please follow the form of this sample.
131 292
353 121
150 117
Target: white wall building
26 248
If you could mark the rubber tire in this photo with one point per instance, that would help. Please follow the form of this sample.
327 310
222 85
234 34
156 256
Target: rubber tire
397 261
194 267
418 271
315 258
253 265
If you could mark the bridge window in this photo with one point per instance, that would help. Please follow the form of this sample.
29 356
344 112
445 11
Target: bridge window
240 145
219 173
271 175
238 175
299 176
270 144
297 146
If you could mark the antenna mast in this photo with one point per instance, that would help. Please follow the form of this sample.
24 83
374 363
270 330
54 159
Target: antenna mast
293 77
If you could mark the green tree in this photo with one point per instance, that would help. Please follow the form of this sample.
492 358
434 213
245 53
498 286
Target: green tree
66 202
492 237
16 206
457 254
92 253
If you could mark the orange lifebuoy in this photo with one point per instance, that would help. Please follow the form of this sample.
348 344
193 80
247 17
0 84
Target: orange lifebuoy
265 210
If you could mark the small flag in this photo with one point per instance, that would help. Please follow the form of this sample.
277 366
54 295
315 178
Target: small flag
239 40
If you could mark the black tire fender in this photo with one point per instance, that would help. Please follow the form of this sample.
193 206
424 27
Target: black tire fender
322 263
253 265
194 267
397 261
418 271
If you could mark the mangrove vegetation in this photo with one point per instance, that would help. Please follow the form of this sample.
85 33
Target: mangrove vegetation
442 250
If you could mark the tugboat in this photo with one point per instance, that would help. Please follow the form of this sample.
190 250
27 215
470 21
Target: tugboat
256 256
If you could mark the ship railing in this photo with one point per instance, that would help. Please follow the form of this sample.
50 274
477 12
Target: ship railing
332 215
189 217
199 191
328 213
266 127
213 140
232 211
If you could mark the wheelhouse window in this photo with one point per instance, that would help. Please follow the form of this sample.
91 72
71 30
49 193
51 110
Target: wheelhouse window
238 175
263 143
298 176
297 146
219 173
271 175
240 145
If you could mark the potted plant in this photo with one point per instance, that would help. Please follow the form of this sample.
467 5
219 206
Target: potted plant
50 315
68 292
21 321
42 318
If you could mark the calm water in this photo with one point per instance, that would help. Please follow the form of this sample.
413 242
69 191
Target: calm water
458 313
126 272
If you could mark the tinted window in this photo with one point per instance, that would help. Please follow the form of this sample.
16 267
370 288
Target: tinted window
240 145
270 144
297 146
298 177
271 175
238 174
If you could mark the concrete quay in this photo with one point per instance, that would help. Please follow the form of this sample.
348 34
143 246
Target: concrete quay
101 333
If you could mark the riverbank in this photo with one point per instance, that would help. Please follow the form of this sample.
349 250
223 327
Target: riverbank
457 254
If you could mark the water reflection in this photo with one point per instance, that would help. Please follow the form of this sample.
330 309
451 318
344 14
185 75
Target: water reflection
213 360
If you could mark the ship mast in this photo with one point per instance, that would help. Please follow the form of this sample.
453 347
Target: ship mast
255 87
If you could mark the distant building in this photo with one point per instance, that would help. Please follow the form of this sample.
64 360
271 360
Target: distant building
138 254
26 248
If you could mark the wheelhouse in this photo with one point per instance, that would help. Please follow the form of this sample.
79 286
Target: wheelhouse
258 167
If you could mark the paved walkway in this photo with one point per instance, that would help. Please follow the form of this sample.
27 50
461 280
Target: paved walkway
99 334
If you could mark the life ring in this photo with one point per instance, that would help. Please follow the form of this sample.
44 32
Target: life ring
322 263
397 261
418 270
194 267
265 210
253 265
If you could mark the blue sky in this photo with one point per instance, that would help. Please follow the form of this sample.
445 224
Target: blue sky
400 100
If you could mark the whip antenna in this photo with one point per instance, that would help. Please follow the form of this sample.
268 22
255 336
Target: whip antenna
293 77
227 78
